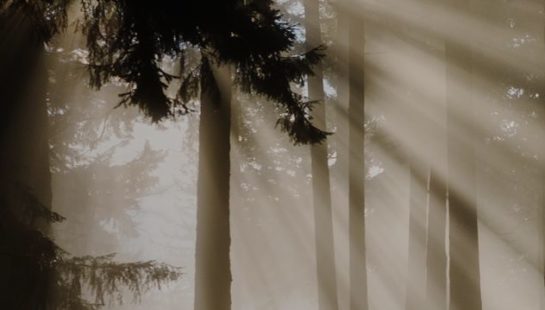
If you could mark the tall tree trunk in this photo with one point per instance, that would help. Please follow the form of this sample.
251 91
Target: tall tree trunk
542 207
436 262
337 113
323 221
213 272
356 163
25 181
416 280
465 291
338 51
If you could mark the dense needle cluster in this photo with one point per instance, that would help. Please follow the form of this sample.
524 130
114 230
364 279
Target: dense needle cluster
129 39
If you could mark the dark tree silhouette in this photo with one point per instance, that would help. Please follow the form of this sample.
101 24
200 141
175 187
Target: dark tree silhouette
213 272
128 40
25 179
34 272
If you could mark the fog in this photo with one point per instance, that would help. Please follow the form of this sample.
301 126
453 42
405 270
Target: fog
257 155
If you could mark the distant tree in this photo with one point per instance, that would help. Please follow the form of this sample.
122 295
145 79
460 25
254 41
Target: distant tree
464 275
417 234
80 121
356 163
436 252
323 218
104 193
436 256
419 162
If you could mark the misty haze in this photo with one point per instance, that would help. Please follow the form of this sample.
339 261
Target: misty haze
272 155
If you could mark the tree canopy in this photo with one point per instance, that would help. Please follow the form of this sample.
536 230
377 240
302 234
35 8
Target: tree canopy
128 40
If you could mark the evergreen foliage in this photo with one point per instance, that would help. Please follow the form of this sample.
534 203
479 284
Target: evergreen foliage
73 283
47 17
39 273
128 40
102 278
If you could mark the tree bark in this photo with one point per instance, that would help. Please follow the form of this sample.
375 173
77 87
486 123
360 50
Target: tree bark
356 163
542 207
213 270
24 163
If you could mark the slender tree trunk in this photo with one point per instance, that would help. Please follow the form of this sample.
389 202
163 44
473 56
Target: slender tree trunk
339 172
436 275
323 221
213 272
542 207
465 291
436 251
416 280
356 163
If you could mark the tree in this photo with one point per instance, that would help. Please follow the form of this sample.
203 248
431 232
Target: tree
465 291
213 272
25 182
250 37
127 40
417 234
356 162
323 221
86 283
436 258
80 122
35 272
418 164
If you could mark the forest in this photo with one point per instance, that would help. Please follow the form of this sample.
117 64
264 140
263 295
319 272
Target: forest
272 155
